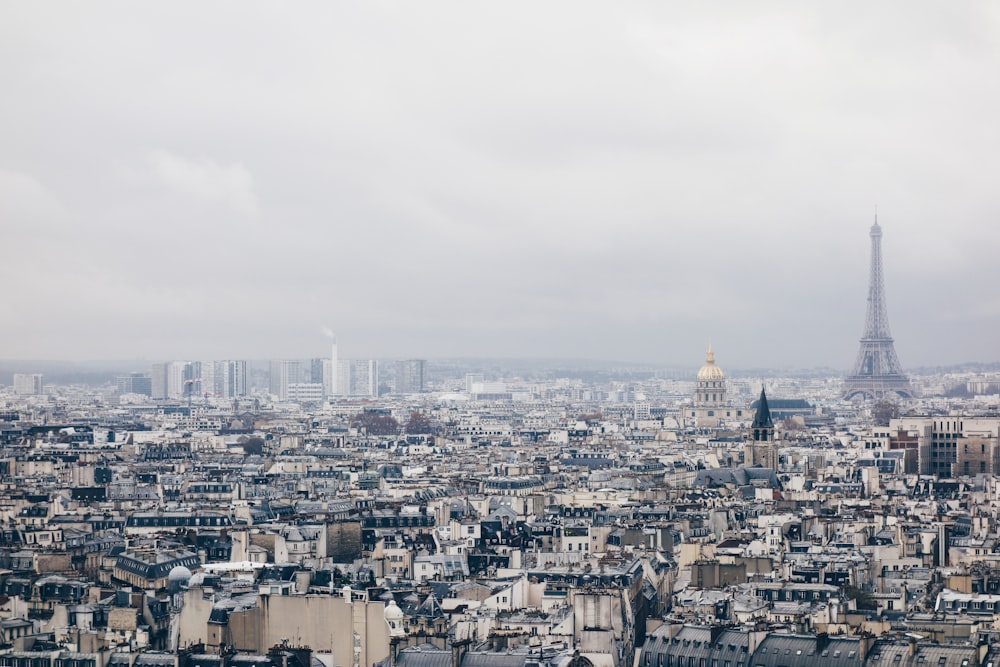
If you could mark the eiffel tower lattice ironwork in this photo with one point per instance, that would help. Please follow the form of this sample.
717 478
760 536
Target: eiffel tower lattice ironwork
877 372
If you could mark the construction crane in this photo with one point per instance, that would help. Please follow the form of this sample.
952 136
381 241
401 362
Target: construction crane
189 388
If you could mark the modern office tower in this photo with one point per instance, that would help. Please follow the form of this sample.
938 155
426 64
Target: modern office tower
357 377
209 382
472 379
27 384
177 374
234 378
315 371
158 380
364 377
135 383
283 373
877 372
320 373
410 376
342 378
328 377
170 379
142 384
334 388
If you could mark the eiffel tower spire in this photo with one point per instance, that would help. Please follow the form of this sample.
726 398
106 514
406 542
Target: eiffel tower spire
877 372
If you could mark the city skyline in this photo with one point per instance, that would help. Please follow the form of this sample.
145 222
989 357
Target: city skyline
628 183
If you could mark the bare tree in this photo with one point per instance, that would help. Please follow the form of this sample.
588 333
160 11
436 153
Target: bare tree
419 424
376 423
884 410
252 446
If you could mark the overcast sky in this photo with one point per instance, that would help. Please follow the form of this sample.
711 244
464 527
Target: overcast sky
610 180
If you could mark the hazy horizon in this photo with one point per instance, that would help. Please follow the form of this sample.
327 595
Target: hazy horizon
549 363
441 180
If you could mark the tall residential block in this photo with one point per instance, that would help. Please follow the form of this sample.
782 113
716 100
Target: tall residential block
410 376
27 384
135 383
357 377
283 373
234 378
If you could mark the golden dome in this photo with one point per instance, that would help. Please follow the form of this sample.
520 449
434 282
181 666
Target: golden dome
710 371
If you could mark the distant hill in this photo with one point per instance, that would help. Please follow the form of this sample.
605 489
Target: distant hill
967 367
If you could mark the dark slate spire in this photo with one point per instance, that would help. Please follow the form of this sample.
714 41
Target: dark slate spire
429 608
763 417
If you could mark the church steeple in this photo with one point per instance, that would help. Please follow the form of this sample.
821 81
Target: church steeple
763 425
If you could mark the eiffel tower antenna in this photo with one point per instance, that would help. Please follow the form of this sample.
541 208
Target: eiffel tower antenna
877 372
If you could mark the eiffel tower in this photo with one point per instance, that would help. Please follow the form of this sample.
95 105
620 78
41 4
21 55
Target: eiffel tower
877 372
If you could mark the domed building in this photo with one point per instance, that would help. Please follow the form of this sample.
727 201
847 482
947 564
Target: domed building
711 405
710 390
178 578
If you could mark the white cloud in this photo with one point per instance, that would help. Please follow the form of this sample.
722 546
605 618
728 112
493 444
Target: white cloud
24 201
434 179
201 178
